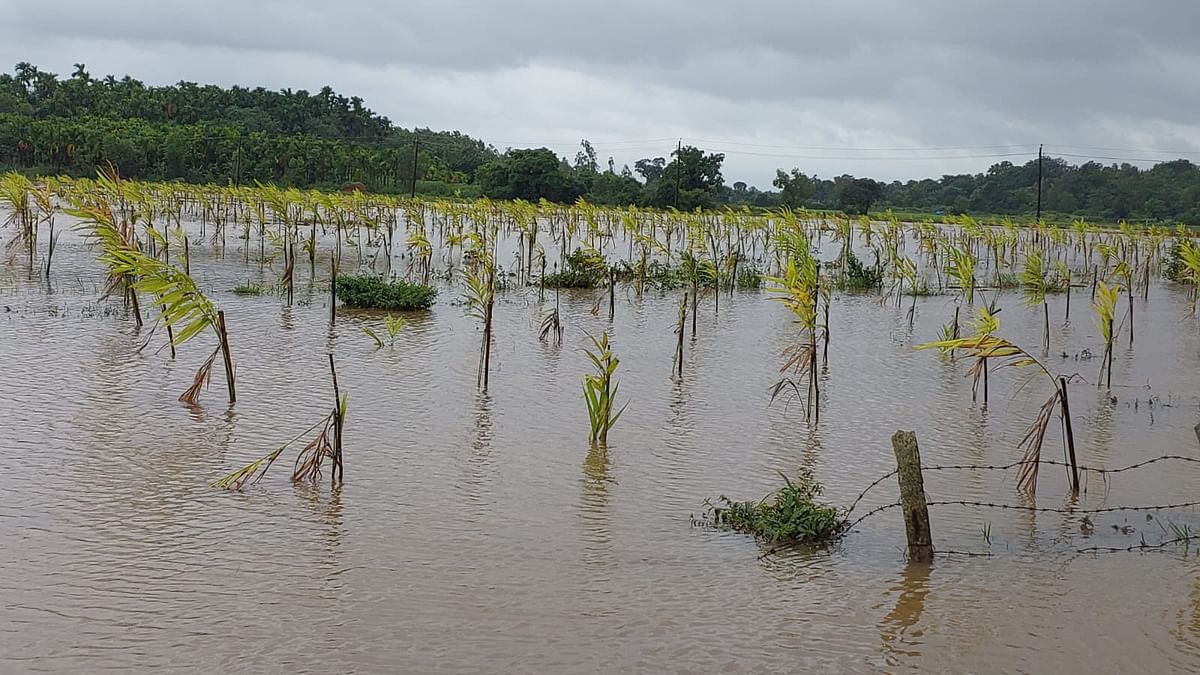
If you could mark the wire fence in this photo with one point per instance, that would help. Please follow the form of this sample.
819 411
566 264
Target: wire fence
1019 464
1184 537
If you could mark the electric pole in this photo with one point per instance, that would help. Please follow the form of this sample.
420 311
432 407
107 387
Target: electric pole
678 170
416 147
1039 187
237 164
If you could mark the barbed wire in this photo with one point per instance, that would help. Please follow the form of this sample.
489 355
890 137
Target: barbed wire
870 513
1141 546
1030 509
1017 464
1061 509
970 554
854 504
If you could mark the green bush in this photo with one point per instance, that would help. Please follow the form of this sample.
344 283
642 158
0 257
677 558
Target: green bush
748 278
370 292
657 274
859 276
581 269
793 516
570 279
1174 269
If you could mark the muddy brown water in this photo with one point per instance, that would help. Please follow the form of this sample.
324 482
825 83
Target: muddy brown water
477 532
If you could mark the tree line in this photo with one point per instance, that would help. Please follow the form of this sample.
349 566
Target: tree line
212 134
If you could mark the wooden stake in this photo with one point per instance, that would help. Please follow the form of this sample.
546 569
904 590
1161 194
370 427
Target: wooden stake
224 335
985 382
695 297
338 471
133 299
912 496
679 334
1070 434
612 292
332 289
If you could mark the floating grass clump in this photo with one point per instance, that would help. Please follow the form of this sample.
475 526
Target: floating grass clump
370 292
793 516
247 289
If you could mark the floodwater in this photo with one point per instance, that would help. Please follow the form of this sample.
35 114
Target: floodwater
478 533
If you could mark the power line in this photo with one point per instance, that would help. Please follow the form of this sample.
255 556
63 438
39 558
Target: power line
879 158
1147 160
1136 150
861 149
645 141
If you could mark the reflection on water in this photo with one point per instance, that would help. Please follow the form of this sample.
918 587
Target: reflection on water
899 631
595 510
480 532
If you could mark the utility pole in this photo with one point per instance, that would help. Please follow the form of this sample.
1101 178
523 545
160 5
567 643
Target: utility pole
1039 189
237 164
416 148
678 169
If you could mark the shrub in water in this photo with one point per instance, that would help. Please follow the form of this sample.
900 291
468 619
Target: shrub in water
749 278
370 292
1183 264
581 269
859 276
793 516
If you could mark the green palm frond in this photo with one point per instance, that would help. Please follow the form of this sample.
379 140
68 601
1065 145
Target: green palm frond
183 307
600 389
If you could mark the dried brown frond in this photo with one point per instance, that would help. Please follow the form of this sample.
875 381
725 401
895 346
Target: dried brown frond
1032 443
551 327
797 357
251 473
254 471
192 395
308 462
288 271
780 386
110 284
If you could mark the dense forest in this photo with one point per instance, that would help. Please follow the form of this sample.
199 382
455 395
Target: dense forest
212 134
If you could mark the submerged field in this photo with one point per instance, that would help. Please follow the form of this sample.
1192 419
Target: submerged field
480 530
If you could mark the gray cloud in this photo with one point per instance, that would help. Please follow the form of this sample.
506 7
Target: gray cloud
772 84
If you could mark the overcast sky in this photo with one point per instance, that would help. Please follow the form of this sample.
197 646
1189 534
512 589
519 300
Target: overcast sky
892 89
